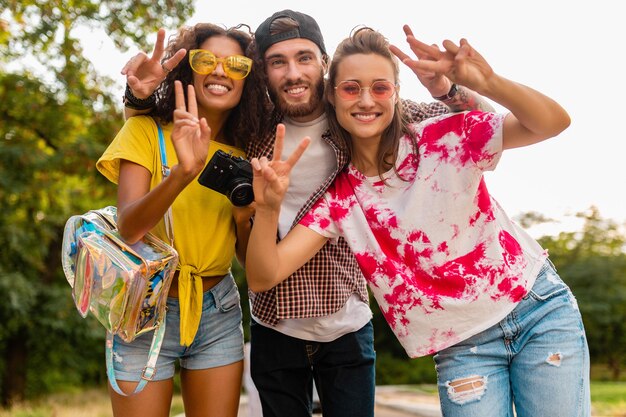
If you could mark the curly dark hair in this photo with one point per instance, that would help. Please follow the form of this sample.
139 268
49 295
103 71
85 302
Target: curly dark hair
365 40
246 121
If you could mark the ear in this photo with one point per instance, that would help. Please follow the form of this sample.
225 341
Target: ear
325 63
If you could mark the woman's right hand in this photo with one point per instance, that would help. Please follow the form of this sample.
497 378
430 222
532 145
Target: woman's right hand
191 136
271 177
143 74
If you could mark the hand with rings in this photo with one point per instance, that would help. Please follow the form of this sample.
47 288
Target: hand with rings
144 74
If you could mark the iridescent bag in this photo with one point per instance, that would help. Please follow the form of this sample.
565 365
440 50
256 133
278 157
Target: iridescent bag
124 286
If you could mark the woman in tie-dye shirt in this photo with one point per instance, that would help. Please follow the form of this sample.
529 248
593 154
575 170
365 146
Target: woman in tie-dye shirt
452 274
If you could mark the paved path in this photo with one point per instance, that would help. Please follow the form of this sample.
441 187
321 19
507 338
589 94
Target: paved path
390 402
408 401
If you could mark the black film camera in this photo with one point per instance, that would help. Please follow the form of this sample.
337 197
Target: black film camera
229 175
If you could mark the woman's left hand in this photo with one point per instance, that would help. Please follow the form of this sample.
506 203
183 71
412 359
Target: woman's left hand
460 63
437 84
190 136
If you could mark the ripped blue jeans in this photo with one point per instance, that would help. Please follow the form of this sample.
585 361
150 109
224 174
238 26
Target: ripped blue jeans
535 360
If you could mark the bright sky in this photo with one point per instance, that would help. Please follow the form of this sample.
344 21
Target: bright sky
568 49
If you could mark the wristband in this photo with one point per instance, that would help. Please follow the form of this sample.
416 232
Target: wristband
135 103
453 90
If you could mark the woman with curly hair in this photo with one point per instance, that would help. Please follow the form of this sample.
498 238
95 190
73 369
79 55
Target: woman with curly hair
210 100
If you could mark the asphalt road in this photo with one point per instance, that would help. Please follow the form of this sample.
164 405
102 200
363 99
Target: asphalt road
380 411
390 402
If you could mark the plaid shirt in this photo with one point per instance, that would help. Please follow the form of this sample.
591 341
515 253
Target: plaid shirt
323 285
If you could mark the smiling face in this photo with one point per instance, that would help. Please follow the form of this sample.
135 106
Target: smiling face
365 117
295 73
216 92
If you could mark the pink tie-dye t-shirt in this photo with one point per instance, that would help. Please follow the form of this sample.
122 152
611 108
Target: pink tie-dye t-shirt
441 257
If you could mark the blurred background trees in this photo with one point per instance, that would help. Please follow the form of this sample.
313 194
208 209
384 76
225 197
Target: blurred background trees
57 114
593 262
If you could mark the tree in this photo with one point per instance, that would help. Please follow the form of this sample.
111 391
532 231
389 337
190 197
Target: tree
593 263
52 129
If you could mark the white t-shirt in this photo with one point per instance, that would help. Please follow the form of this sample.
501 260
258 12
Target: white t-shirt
317 164
441 257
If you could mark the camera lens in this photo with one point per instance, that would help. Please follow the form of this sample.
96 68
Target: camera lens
241 194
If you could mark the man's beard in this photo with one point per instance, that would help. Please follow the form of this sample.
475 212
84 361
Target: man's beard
302 109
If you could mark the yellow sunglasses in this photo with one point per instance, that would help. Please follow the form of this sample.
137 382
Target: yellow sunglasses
204 62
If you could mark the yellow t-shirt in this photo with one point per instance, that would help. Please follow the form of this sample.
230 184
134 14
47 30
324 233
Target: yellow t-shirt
204 229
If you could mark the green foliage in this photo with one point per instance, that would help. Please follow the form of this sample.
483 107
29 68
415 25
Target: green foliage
48 148
393 366
18 301
52 130
71 403
532 218
593 263
72 353
609 392
608 398
393 370
127 22
240 278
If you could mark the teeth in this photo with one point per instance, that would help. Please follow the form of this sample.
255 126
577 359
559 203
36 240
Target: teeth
365 117
217 87
295 90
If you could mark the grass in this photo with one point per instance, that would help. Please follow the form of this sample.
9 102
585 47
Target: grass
88 403
608 399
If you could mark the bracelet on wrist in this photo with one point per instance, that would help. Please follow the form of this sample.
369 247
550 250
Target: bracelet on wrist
453 90
136 103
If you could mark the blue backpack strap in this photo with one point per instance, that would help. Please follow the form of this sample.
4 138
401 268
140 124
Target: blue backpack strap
164 168
148 371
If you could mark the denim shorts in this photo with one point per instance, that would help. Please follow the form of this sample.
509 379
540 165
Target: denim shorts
218 342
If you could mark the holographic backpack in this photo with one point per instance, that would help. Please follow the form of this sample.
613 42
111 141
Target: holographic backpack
124 286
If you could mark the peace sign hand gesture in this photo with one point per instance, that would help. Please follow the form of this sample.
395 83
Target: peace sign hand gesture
271 178
190 136
460 63
436 84
143 74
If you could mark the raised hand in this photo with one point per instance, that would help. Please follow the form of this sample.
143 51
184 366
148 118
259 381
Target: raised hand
437 84
190 136
461 63
144 74
271 177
